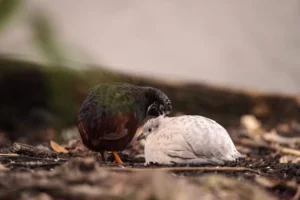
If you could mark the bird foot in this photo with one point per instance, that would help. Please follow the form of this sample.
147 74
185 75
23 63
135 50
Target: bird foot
117 158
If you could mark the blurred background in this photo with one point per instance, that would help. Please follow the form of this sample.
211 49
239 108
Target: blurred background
51 52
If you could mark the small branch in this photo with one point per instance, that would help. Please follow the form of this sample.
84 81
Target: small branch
9 154
288 151
177 169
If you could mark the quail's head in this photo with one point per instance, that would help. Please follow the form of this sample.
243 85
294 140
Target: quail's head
161 104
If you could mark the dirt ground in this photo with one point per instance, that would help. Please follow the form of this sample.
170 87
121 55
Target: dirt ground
270 169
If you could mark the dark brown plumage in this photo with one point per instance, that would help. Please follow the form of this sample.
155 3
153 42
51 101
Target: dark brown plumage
111 113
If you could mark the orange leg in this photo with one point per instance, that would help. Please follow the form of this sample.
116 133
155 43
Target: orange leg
117 158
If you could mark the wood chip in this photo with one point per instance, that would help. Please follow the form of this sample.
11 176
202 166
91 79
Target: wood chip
58 148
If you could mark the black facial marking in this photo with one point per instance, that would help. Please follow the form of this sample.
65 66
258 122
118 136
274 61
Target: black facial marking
153 109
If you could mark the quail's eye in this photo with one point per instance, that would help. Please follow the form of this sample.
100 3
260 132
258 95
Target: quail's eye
150 129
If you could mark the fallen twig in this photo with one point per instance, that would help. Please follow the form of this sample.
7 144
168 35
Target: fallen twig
176 169
9 154
288 150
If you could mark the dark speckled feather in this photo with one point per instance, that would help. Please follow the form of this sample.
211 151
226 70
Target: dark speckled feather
111 113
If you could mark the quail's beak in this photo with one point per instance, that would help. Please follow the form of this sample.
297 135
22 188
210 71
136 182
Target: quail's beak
142 136
167 110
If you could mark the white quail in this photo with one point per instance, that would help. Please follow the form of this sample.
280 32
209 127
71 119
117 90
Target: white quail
187 139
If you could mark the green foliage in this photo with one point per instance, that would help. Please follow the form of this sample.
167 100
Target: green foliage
61 102
44 38
7 10
43 31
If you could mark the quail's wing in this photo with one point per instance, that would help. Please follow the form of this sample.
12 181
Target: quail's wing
205 137
115 98
170 137
123 110
108 112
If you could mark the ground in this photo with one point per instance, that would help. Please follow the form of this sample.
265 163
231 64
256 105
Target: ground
270 169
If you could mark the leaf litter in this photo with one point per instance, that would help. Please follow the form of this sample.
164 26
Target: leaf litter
270 169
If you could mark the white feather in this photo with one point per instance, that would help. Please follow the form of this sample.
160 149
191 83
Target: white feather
188 139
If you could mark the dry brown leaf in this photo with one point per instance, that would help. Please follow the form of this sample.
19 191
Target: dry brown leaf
253 127
3 168
58 148
250 123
